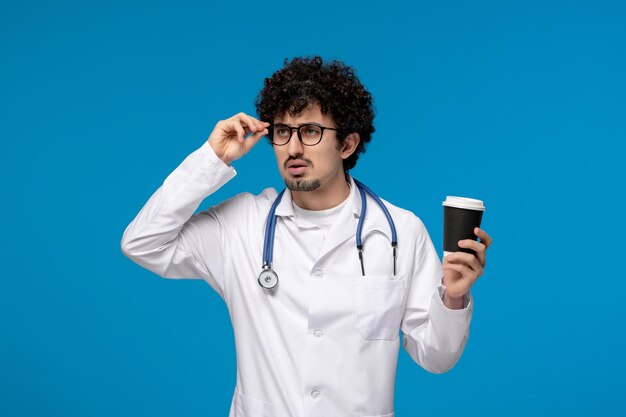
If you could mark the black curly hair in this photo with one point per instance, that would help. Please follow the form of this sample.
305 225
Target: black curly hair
334 86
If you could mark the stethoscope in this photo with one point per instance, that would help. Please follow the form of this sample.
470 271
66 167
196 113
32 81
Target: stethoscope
268 278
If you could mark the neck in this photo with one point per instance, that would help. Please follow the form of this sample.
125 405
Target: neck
323 198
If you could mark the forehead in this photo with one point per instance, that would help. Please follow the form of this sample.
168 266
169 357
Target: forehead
311 113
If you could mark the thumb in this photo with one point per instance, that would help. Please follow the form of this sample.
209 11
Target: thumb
253 139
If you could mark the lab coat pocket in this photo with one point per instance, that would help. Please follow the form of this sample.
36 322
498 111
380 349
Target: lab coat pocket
380 304
249 407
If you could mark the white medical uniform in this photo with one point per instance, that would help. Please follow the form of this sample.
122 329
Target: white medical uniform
325 342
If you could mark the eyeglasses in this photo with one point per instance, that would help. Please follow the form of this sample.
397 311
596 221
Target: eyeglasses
308 134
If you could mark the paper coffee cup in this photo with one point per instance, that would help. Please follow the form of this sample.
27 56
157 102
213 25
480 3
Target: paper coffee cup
460 216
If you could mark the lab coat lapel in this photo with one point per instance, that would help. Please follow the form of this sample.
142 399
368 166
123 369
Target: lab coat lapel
285 207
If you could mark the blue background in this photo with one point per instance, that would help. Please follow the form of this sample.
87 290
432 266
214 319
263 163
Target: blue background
521 104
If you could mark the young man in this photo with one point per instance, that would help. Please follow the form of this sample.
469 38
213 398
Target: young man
324 339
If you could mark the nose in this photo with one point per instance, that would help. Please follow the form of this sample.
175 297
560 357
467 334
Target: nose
294 146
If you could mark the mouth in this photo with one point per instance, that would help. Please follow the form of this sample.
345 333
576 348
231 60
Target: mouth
296 167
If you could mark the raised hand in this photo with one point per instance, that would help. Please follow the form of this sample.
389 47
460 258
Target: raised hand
234 137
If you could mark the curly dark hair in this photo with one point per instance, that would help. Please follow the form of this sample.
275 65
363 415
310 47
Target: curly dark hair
334 86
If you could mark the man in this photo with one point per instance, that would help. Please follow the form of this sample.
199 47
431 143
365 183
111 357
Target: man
324 340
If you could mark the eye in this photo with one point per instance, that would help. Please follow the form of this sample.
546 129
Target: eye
282 131
310 130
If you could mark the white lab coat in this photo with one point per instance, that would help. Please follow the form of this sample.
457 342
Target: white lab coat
325 343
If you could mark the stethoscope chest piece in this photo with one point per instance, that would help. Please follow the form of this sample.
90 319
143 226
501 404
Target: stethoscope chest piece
268 278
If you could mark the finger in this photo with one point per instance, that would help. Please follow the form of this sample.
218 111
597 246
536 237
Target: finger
254 139
457 257
484 237
467 259
227 127
239 119
477 247
262 125
236 126
253 124
466 272
259 124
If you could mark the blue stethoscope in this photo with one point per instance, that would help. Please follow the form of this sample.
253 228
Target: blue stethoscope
268 278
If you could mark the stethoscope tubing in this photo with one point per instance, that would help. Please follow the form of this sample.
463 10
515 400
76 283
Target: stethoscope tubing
270 229
392 225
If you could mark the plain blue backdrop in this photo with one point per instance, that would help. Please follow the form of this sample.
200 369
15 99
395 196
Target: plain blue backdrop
521 104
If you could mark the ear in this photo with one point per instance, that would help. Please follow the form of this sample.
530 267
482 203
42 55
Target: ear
349 145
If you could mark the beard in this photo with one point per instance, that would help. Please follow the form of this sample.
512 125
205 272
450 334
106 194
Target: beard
303 185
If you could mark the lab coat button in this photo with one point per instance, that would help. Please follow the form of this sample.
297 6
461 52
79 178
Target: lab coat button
316 394
318 333
318 273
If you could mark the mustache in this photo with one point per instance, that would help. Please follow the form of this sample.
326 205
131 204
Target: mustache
294 158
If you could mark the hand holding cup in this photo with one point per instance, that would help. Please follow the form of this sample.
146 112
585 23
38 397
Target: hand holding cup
464 257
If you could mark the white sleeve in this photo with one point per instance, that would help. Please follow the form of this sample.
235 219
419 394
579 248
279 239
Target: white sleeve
165 236
434 335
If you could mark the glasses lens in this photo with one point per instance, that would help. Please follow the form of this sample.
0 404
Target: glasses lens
279 134
311 134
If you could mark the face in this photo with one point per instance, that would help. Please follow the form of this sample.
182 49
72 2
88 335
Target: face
311 168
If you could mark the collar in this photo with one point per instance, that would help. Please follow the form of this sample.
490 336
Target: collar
375 219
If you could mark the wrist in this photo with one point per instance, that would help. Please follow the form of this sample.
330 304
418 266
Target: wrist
219 153
453 303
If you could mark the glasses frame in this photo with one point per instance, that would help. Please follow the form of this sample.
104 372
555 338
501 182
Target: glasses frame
297 128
